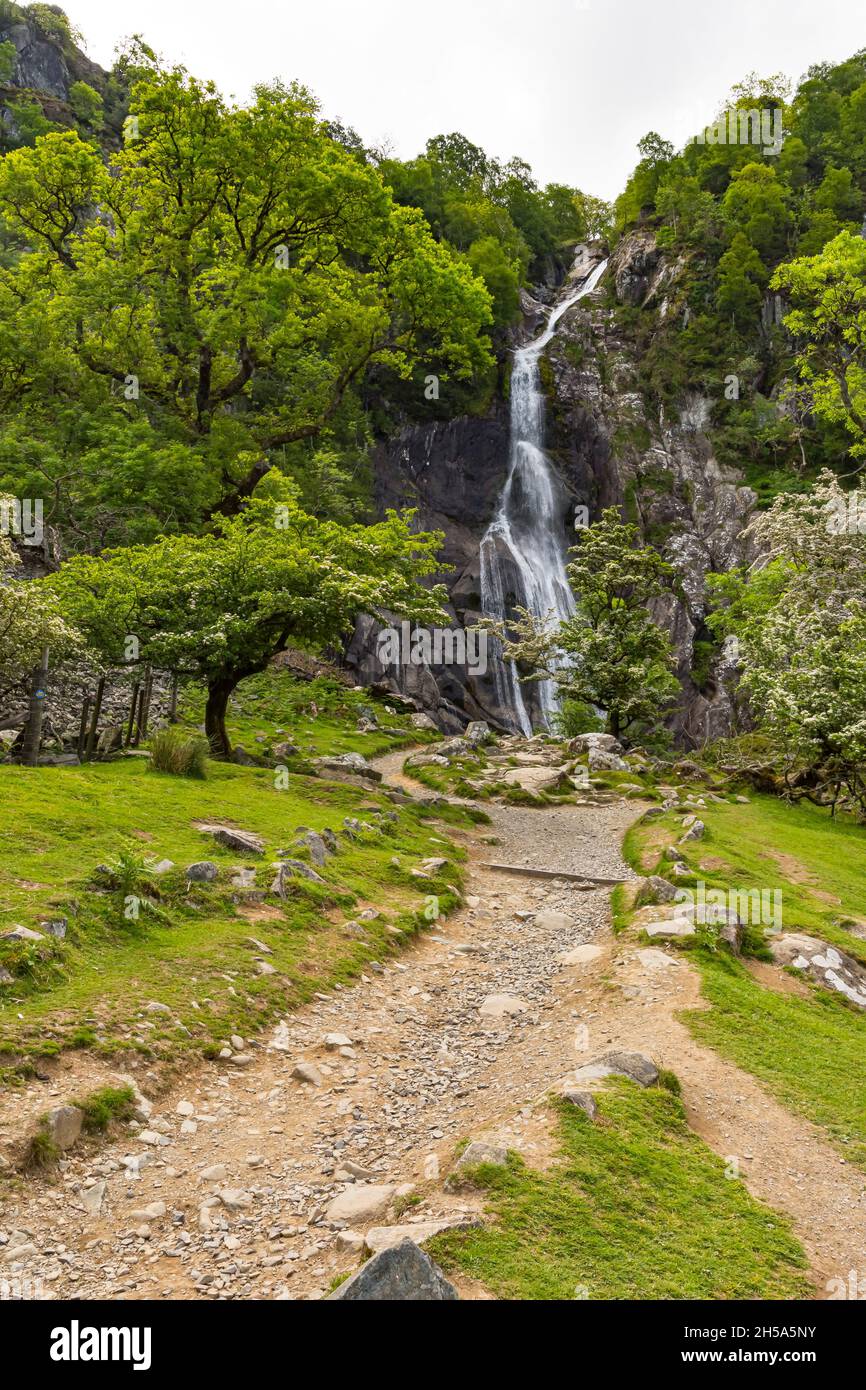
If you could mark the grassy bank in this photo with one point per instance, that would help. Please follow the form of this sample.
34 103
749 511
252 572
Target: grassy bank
808 1050
635 1206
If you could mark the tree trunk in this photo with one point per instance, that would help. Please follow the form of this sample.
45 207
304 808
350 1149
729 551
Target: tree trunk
218 693
33 733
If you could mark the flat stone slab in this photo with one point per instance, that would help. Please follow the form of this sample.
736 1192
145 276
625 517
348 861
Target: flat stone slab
553 921
502 1006
655 960
380 1238
674 928
361 1202
581 955
243 841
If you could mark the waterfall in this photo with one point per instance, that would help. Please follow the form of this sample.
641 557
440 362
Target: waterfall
523 548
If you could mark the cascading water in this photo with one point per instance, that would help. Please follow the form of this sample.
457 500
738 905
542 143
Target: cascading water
523 549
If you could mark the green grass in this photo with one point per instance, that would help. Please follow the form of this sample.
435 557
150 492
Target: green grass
189 946
634 1207
101 1108
808 1051
276 700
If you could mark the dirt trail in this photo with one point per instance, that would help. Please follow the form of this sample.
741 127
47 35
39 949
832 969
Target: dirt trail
224 1191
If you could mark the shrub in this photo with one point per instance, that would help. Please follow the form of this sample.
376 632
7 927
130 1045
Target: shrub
177 751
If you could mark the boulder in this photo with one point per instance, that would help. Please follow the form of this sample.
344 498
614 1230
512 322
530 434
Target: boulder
380 1238
403 1273
600 760
695 831
361 1202
347 767
204 872
282 751
306 1072
423 721
553 921
586 743
580 955
479 1151
478 732
634 1065
289 869
110 740
501 1006
241 841
656 889
582 1100
316 845
825 964
63 1125
21 934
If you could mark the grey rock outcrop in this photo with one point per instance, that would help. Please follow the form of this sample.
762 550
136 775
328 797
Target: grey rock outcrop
404 1273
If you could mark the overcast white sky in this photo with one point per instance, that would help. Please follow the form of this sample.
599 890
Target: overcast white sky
570 85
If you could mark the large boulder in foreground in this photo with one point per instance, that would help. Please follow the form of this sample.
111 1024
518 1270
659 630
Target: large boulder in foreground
404 1273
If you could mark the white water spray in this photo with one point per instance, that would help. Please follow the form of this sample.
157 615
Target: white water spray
523 550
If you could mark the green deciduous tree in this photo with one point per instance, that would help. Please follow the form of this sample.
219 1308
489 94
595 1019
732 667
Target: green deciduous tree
610 653
218 607
828 292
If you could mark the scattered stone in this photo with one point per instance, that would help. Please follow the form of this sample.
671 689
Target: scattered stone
92 1198
306 1072
332 1041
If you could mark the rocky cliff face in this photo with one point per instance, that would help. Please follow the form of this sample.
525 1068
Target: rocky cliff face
608 451
45 68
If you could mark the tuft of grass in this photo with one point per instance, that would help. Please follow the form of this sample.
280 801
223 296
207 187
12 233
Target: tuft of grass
178 751
636 1206
102 1108
41 1153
